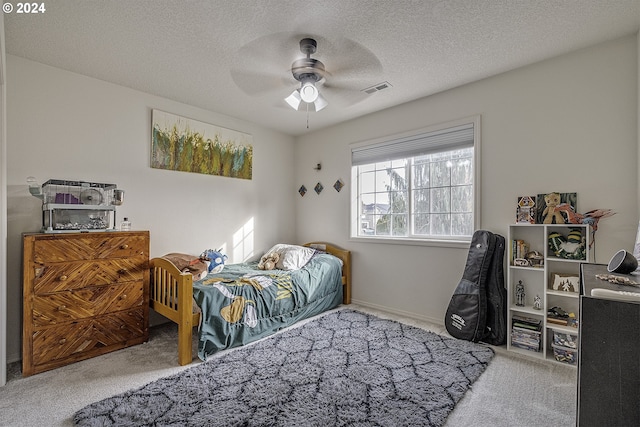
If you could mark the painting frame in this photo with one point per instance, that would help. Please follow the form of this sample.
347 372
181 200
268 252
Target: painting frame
570 199
187 145
526 210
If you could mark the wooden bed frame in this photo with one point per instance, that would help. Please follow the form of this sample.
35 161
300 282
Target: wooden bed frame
171 295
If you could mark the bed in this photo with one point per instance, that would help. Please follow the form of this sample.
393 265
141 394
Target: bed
242 303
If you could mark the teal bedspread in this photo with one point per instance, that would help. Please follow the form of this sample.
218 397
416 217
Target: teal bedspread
241 303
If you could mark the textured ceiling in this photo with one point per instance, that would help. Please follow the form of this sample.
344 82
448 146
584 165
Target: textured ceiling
234 56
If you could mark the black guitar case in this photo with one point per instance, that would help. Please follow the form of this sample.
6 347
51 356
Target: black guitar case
496 328
476 311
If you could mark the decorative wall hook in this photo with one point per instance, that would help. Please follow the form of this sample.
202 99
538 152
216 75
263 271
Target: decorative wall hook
318 167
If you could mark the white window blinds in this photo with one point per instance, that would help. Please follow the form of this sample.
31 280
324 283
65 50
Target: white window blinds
414 145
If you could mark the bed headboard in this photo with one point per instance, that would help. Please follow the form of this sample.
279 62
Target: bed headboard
345 256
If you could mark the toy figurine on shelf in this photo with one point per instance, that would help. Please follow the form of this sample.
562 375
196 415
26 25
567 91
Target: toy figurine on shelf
537 303
520 294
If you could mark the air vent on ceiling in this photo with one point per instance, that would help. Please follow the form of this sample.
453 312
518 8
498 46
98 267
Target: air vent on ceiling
376 88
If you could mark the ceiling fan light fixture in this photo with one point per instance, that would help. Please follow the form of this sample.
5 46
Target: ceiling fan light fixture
308 71
320 103
309 92
294 99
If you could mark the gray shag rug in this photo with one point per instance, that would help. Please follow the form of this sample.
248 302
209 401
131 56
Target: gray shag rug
346 368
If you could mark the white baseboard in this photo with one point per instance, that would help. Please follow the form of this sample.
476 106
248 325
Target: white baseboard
416 316
12 358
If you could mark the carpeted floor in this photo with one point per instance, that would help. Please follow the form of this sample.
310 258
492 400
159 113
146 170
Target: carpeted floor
346 368
513 391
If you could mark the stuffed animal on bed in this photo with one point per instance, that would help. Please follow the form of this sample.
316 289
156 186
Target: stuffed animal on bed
216 259
198 267
269 261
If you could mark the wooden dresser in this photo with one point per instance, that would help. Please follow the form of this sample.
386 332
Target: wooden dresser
85 294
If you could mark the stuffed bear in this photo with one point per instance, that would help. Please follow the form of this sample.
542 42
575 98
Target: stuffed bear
269 261
550 214
216 259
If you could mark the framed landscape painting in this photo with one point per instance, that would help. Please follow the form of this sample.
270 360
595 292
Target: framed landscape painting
182 144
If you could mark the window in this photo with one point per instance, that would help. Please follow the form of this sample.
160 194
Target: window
418 186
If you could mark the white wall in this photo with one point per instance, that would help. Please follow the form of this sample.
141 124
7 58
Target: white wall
567 124
66 126
3 212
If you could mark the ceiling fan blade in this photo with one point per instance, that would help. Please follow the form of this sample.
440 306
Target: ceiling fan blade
349 60
261 83
344 99
263 66
351 68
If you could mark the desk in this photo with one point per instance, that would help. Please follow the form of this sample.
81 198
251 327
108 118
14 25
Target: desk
609 355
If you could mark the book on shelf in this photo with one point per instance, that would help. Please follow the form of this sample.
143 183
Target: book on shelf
525 337
526 332
527 340
519 248
534 347
557 320
526 343
563 321
520 329
526 322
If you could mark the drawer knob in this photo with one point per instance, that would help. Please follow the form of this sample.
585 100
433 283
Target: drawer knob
62 307
122 271
62 341
123 296
63 277
125 246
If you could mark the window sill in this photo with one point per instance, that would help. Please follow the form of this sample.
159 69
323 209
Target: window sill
462 244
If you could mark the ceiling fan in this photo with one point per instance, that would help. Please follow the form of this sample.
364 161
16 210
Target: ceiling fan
258 71
308 71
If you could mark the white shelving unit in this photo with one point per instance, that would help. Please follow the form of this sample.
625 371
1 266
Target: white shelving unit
538 280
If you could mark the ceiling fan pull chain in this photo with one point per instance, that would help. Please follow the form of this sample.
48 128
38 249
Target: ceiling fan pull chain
307 116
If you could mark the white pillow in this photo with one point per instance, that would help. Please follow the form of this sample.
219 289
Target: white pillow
292 257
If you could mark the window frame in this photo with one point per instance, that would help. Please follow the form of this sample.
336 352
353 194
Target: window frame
443 241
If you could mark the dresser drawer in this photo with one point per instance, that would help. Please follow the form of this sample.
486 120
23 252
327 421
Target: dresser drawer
82 338
68 306
86 247
66 276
